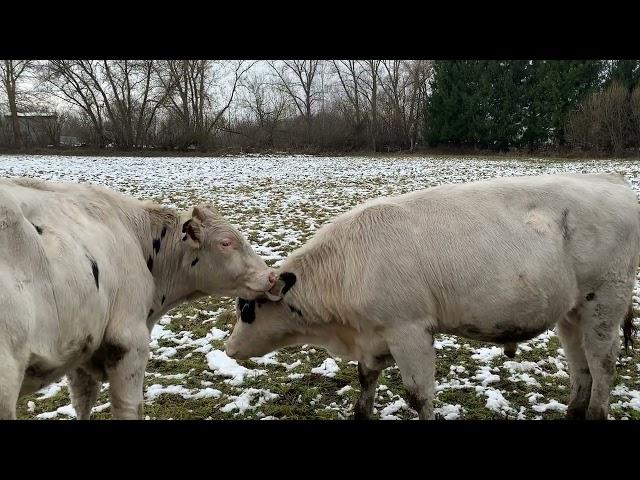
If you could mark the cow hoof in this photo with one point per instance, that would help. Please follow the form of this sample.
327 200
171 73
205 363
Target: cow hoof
360 416
575 414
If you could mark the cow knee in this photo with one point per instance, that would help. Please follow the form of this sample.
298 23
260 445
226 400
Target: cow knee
415 356
125 366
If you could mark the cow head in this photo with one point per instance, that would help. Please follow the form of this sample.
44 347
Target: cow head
265 324
221 259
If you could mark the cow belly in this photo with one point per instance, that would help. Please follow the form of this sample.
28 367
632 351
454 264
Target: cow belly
515 318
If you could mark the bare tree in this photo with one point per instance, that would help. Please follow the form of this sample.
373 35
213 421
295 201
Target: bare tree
121 91
392 83
12 72
350 74
603 121
131 98
635 115
189 84
404 85
297 79
370 80
192 102
69 80
53 127
267 104
614 108
419 74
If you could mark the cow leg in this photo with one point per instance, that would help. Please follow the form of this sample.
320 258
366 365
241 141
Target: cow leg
125 364
363 407
11 375
412 349
602 317
570 333
83 388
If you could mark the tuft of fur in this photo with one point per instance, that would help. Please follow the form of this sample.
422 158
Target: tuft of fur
510 349
629 330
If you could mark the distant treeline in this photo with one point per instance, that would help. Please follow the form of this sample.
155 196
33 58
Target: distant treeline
316 106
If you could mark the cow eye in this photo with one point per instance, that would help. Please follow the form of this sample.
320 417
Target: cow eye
225 243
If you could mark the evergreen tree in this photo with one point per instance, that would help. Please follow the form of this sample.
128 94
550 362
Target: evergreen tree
502 104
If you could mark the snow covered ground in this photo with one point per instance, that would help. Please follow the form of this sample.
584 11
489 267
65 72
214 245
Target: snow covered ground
278 202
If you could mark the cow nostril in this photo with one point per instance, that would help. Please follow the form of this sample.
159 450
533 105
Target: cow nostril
272 279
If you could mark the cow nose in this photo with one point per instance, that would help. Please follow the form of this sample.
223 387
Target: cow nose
272 279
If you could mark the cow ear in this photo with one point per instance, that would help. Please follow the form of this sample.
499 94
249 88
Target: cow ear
193 232
205 212
285 281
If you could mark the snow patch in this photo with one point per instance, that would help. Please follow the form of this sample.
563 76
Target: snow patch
221 364
328 368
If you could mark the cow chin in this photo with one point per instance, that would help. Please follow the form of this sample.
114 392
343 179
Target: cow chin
241 346
248 293
255 289
236 353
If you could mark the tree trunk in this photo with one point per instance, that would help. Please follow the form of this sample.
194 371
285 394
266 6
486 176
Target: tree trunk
15 121
10 80
374 116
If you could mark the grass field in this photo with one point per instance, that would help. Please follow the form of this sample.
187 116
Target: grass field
278 202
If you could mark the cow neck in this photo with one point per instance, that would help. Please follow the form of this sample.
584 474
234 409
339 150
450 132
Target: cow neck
165 252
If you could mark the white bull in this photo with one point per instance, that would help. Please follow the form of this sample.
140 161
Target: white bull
86 272
500 261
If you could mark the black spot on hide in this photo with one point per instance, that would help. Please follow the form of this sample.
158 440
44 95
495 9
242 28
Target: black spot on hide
289 280
95 271
87 343
564 225
156 245
113 353
188 229
294 309
247 310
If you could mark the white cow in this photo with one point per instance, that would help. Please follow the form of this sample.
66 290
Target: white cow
500 261
86 272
